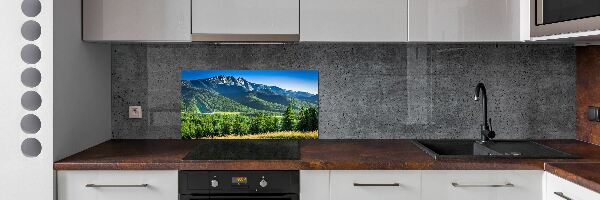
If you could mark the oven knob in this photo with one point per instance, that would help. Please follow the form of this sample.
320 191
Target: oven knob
214 183
263 183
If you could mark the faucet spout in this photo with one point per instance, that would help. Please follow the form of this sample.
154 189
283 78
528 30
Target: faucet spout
486 132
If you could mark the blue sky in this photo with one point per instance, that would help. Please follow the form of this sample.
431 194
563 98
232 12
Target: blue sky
298 80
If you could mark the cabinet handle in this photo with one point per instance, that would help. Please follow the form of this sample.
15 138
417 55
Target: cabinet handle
114 186
376 184
491 185
560 194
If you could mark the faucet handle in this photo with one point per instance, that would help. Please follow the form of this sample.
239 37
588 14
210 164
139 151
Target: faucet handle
491 133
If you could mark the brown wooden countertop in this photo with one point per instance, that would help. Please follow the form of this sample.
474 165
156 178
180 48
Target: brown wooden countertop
314 154
584 174
331 155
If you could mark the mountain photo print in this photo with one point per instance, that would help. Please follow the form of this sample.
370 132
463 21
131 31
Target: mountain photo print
249 104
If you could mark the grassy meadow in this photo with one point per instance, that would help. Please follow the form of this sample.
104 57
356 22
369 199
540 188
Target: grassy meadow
293 135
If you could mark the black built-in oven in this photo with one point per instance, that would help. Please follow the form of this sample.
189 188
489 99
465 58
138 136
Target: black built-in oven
551 17
234 185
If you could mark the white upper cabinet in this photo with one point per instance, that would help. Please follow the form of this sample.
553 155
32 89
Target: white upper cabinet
468 20
245 20
307 20
354 20
136 20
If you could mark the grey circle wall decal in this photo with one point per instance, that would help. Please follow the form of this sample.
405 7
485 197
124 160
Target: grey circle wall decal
31 100
31 77
31 30
31 54
31 8
31 147
30 124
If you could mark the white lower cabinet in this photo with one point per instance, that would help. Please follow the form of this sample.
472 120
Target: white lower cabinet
422 184
560 189
341 185
482 185
375 185
117 185
314 184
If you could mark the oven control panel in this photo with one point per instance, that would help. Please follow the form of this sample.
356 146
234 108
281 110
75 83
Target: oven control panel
263 183
225 182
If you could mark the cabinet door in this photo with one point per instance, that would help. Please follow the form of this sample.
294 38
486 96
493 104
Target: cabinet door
245 16
136 20
314 185
375 185
353 21
482 185
117 185
560 189
468 20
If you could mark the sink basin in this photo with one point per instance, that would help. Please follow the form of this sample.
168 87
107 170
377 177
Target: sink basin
471 149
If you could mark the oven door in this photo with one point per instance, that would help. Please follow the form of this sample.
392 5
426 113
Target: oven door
552 17
244 197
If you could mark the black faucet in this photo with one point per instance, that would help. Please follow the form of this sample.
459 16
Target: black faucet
486 129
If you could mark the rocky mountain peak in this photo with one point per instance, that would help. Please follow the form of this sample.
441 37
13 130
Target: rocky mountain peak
231 81
227 80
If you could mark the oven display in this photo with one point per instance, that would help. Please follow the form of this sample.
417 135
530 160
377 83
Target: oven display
239 180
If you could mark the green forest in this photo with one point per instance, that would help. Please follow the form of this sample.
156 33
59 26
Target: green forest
198 125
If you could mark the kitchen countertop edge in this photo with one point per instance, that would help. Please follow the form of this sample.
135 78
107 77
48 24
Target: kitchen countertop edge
579 173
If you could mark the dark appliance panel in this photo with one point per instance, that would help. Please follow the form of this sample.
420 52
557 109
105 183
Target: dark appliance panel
194 182
563 17
554 11
273 181
248 197
231 185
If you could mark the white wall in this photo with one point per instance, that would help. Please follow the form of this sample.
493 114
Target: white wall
24 177
82 79
82 89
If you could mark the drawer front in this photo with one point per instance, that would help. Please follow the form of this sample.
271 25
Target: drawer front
482 185
117 185
375 185
560 189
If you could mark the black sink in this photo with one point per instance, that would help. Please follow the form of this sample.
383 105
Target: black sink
471 149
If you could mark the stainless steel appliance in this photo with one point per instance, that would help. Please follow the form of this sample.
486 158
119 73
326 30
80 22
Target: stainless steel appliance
233 185
552 17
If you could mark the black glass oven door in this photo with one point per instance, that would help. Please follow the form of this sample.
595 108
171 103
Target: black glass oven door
239 197
554 11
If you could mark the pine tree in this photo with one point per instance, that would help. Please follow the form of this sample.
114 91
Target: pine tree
313 119
303 119
241 126
288 119
187 131
259 123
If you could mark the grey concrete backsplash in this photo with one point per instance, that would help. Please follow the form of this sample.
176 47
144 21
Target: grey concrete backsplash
378 91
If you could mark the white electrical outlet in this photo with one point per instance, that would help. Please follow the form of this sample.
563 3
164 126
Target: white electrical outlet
135 112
